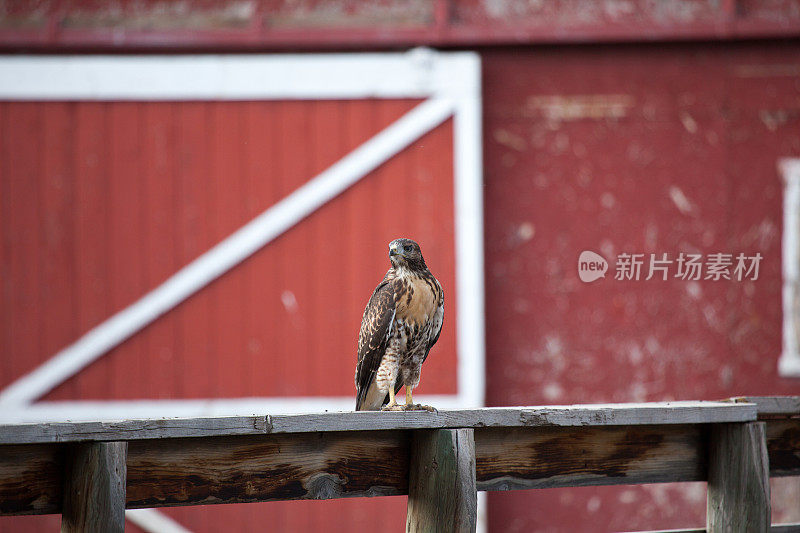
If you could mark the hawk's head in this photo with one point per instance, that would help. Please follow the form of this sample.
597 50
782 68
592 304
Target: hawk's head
406 253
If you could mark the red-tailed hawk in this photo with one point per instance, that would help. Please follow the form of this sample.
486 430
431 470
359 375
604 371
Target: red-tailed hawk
401 324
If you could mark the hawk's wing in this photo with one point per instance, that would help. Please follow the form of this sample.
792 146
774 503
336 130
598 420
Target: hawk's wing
376 327
436 326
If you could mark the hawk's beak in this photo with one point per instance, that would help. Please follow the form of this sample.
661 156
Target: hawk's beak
393 251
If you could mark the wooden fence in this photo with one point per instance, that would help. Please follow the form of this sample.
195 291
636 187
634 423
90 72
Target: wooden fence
90 472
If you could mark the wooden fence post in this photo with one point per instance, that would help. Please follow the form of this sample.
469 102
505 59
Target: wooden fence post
738 479
94 487
442 495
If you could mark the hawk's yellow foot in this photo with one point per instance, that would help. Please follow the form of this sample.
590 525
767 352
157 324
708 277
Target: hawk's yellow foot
411 406
392 405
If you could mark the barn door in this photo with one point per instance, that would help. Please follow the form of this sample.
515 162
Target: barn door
196 235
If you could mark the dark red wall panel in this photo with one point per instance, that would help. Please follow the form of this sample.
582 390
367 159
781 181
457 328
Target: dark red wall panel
327 24
595 148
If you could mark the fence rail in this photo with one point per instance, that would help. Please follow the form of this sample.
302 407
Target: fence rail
91 471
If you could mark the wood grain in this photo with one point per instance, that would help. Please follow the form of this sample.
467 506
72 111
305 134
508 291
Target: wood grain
133 429
31 478
738 479
783 446
571 415
263 468
514 458
775 528
768 406
94 488
441 488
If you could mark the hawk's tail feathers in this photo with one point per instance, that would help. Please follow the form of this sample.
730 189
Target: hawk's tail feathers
370 400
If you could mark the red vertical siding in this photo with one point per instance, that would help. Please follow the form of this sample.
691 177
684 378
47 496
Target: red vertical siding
121 195
153 185
58 263
194 145
161 251
263 319
92 191
22 235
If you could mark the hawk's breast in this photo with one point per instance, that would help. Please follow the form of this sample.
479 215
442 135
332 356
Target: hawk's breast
417 300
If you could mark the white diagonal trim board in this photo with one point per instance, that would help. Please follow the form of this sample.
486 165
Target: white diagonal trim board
154 521
229 252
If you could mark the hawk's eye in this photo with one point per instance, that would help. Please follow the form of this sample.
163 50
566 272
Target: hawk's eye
408 248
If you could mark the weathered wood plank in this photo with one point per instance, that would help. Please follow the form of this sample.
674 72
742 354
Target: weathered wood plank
94 488
783 446
31 479
31 476
172 472
133 429
738 479
340 464
774 528
773 405
785 528
441 489
514 458
571 415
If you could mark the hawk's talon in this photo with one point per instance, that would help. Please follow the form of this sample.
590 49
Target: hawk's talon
395 407
419 407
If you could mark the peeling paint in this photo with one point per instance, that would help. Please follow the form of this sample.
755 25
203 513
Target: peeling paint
607 200
689 123
767 70
345 14
526 231
289 301
592 106
162 16
553 392
679 199
774 119
510 140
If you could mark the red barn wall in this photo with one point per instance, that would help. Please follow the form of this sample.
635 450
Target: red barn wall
585 147
102 201
603 167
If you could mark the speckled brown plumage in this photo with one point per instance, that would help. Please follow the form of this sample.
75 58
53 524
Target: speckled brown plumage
401 323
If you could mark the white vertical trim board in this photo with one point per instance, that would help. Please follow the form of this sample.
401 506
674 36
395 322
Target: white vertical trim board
449 83
468 187
789 364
